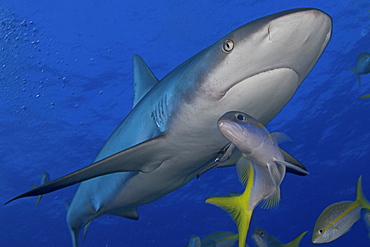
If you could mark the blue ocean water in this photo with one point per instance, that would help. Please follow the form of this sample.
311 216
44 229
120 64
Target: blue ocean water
66 82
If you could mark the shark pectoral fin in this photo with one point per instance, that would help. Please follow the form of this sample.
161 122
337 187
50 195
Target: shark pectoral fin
291 166
295 242
131 159
290 159
144 79
128 214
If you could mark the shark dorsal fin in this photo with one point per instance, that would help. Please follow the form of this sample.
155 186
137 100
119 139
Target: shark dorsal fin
144 79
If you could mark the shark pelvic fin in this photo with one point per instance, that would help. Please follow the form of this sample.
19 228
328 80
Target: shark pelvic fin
290 159
128 214
292 166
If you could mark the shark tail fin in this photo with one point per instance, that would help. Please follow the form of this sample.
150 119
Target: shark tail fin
360 197
295 242
357 74
38 198
238 206
74 234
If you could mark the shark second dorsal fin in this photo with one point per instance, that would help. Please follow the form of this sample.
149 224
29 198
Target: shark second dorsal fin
144 79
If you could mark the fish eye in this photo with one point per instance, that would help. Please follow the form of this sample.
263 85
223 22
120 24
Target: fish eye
240 117
320 231
262 233
228 46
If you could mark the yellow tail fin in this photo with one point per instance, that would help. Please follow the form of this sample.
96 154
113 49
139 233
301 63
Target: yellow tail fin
360 197
357 75
238 207
38 198
295 242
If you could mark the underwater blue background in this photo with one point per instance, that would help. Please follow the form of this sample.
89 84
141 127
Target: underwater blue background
66 82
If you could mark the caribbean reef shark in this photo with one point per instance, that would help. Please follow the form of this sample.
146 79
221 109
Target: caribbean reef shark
171 134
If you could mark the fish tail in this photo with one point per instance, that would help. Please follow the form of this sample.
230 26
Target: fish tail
357 74
360 197
365 96
38 198
238 207
295 242
239 211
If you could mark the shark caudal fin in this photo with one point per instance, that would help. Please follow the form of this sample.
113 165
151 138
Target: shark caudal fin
238 206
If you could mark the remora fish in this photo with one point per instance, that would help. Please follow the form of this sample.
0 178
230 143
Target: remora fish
261 147
363 66
338 218
262 239
170 135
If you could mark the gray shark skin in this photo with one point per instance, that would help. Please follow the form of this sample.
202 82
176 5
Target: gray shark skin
171 134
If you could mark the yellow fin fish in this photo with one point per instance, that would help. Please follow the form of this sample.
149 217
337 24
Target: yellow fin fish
363 66
367 221
365 96
45 178
338 218
216 239
262 149
238 206
262 239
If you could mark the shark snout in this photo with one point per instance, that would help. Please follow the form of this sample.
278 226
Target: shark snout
301 35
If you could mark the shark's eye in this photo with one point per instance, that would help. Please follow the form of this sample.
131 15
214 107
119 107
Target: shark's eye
228 46
240 117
